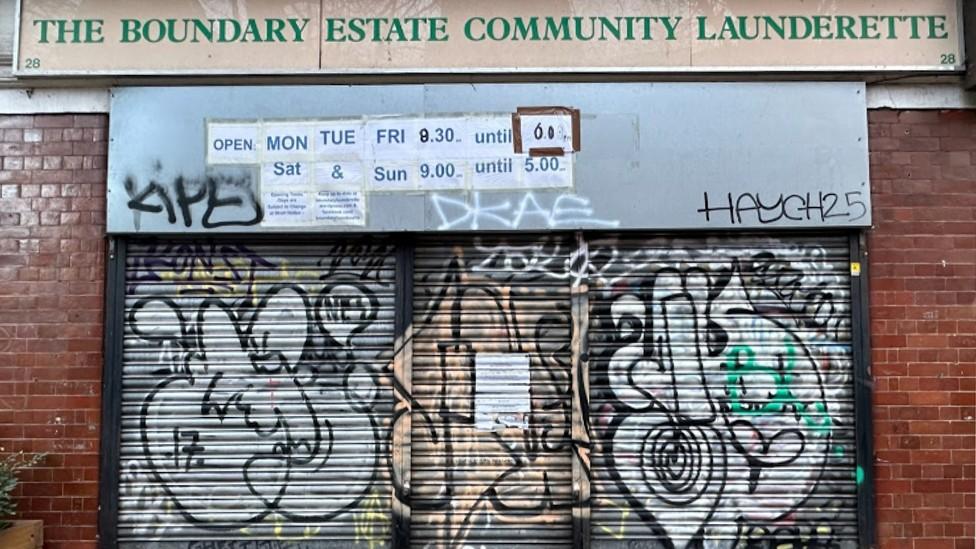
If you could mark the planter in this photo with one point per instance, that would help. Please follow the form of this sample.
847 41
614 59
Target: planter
23 534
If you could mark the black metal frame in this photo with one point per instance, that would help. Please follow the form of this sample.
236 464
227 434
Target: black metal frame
109 452
863 389
402 320
969 37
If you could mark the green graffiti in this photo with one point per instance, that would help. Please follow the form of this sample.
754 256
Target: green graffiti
741 362
859 475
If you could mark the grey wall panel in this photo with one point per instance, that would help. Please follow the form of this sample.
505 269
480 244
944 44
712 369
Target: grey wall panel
768 154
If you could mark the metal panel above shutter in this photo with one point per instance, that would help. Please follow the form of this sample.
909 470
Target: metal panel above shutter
256 394
8 20
721 392
471 487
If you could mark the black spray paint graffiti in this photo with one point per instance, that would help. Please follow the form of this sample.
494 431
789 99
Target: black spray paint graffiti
717 381
268 409
226 201
718 408
756 208
469 484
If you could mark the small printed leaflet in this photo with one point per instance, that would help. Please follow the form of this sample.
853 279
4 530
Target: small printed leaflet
337 207
286 208
501 397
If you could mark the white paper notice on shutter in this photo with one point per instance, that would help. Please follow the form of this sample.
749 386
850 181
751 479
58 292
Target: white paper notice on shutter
501 397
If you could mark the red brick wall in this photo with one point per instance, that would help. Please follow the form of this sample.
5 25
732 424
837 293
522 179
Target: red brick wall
922 258
52 226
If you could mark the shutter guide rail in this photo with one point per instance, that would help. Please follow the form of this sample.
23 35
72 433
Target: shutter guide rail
581 389
863 386
403 389
111 438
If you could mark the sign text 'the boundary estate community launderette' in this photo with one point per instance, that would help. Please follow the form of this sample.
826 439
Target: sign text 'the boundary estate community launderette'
468 36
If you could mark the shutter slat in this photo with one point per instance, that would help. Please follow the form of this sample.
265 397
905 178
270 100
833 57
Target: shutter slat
473 487
257 394
721 391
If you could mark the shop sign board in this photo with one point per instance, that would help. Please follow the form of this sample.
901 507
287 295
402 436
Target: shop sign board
202 160
144 37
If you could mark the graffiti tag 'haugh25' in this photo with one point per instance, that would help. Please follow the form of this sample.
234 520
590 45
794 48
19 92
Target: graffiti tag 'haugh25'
258 394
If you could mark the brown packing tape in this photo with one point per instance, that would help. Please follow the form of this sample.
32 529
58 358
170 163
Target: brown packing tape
545 110
577 142
517 132
547 151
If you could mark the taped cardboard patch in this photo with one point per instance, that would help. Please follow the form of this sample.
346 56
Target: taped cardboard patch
518 119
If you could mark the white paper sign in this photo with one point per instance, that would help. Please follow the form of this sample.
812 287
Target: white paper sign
280 174
441 137
392 176
337 140
546 131
501 391
487 136
441 174
547 172
286 141
229 143
339 174
391 139
299 159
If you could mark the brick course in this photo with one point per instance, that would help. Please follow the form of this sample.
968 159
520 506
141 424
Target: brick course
52 273
922 260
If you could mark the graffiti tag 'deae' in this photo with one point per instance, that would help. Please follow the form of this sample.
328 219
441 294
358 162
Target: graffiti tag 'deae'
225 201
764 209
563 211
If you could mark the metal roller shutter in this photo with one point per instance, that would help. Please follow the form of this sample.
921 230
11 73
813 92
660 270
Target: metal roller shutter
721 392
256 395
477 302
